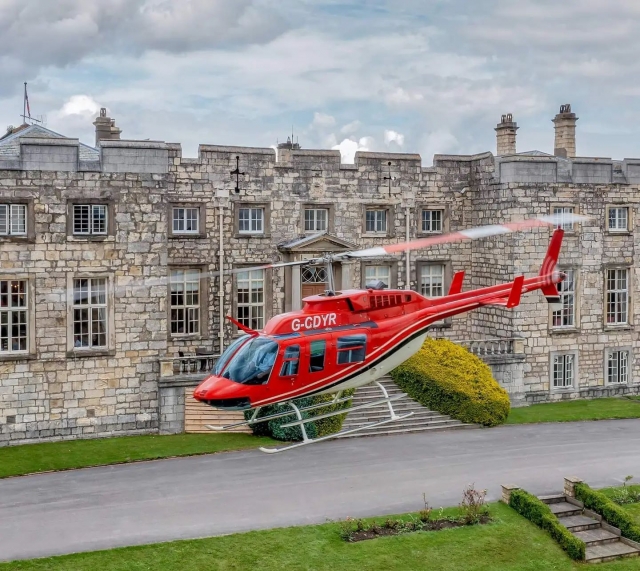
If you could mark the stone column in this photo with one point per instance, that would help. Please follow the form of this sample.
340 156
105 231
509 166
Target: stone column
565 126
506 492
506 135
296 289
569 486
347 275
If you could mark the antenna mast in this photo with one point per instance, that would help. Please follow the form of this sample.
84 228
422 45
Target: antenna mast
26 110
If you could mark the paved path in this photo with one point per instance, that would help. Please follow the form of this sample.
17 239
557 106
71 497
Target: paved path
99 508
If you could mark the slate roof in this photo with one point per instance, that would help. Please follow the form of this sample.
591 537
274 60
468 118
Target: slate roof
10 144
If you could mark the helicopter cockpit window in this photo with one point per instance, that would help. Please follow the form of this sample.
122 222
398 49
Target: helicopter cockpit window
316 362
253 362
352 349
229 351
291 361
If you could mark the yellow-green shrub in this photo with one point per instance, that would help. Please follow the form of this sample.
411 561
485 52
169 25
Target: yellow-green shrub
449 379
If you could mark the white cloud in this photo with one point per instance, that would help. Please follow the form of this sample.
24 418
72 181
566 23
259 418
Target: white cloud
322 121
351 128
349 147
393 137
437 142
80 105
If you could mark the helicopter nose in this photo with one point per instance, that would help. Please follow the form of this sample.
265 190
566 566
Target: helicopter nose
222 393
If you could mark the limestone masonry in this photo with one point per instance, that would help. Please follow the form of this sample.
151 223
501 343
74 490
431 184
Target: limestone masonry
110 304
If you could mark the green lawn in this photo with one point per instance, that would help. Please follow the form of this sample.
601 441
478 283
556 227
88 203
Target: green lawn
596 409
31 458
509 544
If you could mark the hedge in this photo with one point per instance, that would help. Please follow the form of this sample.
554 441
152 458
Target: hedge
322 427
612 513
449 379
539 513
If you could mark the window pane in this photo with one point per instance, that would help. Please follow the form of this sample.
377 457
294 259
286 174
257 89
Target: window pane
432 280
184 302
351 349
18 219
565 317
250 298
617 296
13 316
373 274
561 211
432 220
316 362
99 219
291 361
4 219
81 219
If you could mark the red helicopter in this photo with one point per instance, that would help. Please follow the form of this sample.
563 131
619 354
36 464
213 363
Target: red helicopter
343 340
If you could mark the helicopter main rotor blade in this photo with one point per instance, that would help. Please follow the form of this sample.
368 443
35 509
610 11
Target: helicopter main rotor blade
470 234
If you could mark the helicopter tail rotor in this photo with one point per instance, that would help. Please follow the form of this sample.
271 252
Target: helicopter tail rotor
548 269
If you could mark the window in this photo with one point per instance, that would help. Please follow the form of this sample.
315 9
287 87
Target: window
374 274
186 220
618 219
13 316
561 212
250 299
253 362
316 219
89 219
251 220
566 317
617 296
432 280
432 221
90 313
618 367
376 221
316 356
563 371
185 302
351 349
291 360
13 219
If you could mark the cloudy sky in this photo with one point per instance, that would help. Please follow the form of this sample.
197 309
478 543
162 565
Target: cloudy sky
426 76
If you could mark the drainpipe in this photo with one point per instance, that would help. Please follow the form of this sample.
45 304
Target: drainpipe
407 258
221 280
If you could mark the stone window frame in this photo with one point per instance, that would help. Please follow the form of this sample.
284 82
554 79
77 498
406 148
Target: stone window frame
607 352
446 217
111 223
448 276
318 206
266 230
630 297
31 351
202 220
268 292
30 236
391 264
575 328
630 219
204 333
576 369
390 233
81 352
574 207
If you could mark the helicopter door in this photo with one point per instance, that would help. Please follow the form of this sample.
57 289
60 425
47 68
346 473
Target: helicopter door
351 347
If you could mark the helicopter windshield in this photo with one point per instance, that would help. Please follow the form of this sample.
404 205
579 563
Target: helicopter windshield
252 363
229 351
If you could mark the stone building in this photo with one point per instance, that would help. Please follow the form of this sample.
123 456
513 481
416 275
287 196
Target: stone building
111 299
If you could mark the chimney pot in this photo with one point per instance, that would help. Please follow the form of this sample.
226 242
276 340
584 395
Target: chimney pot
565 128
106 129
506 135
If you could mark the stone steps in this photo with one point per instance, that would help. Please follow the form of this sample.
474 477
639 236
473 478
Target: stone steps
421 420
603 542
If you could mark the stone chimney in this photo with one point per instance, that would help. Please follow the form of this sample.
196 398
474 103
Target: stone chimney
106 129
506 135
565 125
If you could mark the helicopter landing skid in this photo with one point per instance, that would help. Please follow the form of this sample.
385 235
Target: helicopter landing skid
302 421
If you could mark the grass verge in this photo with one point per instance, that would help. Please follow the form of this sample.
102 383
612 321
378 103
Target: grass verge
511 543
53 456
596 409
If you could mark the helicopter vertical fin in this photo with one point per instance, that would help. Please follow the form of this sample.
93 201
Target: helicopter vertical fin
549 290
456 283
